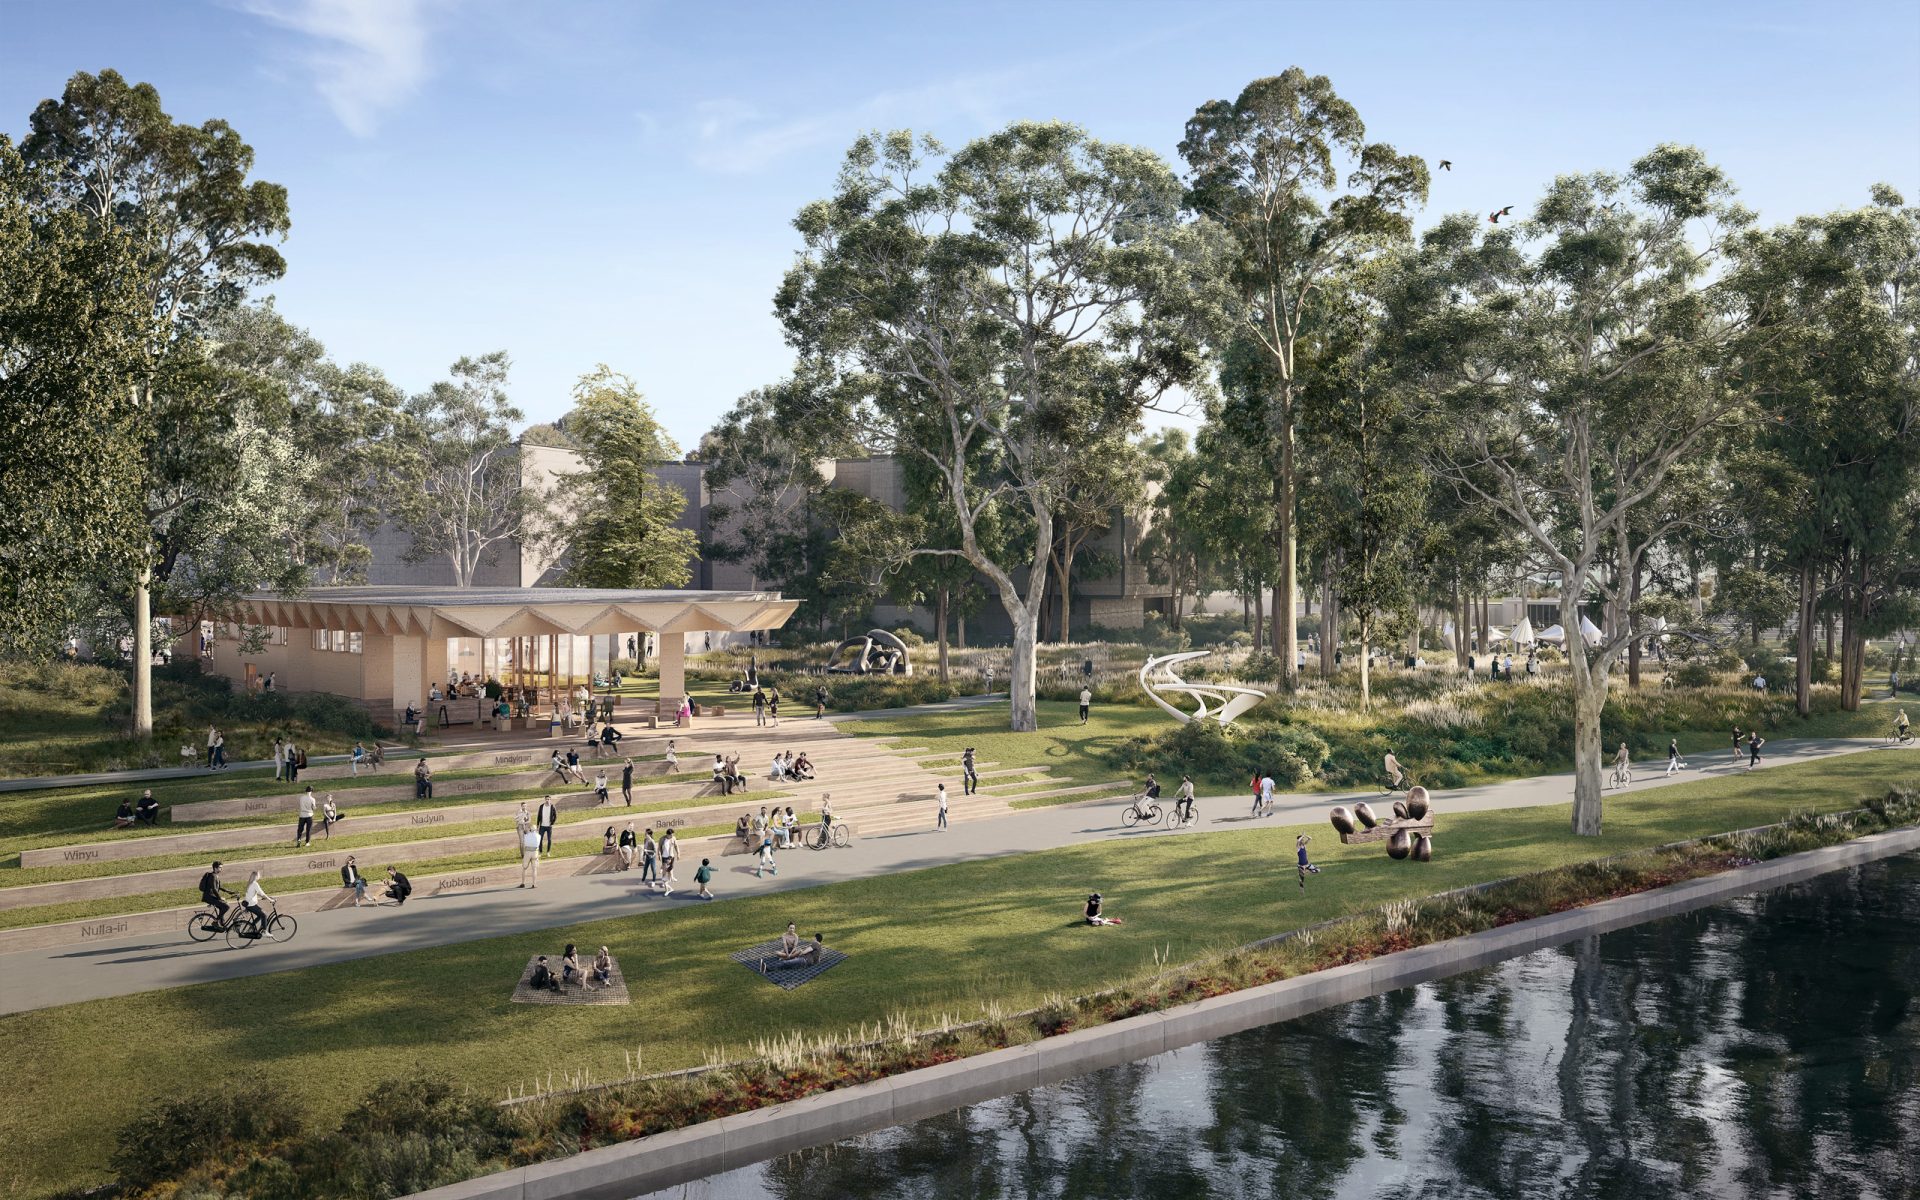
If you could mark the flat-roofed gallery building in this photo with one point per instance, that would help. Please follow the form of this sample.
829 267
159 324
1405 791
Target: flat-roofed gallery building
384 646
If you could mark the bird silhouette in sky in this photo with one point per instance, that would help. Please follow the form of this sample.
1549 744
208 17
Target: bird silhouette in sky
1495 216
1446 164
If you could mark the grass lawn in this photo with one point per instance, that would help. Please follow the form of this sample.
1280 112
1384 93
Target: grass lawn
945 940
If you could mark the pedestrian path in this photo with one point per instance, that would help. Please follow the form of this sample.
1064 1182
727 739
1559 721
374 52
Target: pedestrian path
123 966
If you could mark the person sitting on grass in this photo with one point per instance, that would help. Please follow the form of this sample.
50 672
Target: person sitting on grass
570 971
797 953
543 978
123 816
1095 916
147 812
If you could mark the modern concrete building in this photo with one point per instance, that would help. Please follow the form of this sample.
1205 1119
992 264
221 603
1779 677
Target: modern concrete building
387 646
1119 600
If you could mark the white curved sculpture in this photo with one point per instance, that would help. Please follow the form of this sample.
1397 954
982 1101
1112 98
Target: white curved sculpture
1243 698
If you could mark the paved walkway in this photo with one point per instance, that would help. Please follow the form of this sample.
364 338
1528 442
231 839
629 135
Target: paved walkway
66 974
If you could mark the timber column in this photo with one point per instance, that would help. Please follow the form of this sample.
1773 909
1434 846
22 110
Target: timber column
673 674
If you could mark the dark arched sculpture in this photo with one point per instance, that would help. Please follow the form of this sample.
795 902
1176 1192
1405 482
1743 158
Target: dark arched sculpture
878 652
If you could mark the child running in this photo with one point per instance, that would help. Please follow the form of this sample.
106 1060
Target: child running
1306 868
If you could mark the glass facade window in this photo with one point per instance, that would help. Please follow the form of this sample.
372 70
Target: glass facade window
339 640
320 639
356 643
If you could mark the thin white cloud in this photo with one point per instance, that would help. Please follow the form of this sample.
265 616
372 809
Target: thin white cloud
368 56
733 137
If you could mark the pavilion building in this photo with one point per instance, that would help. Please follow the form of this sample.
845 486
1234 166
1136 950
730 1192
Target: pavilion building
385 647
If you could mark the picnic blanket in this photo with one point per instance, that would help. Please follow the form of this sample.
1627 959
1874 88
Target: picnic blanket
612 992
755 958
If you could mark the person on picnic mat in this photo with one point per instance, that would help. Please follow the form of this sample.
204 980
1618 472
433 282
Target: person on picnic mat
603 967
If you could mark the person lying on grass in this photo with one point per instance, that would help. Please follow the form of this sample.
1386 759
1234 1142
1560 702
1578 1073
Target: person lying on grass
1094 916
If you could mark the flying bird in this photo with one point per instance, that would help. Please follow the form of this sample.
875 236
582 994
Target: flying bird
1495 216
1446 164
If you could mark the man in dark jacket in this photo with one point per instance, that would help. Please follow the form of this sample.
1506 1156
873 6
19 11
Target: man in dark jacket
398 887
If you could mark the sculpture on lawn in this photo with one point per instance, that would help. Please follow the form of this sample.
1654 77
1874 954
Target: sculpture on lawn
1158 675
877 652
1408 834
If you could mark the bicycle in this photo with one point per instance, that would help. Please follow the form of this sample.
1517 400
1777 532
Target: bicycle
1622 777
1141 810
1900 737
206 924
1404 786
822 836
278 927
1174 820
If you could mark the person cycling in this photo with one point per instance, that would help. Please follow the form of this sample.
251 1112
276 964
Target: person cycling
251 902
1183 800
1394 774
1900 726
1152 791
210 890
1622 761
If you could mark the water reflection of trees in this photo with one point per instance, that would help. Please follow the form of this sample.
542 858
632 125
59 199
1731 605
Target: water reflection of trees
1766 1048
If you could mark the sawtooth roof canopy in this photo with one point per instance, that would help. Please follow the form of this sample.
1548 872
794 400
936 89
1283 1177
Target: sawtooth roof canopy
515 612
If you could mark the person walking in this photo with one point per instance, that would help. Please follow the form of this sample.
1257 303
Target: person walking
703 877
1255 785
759 706
1673 756
304 830
1086 703
669 854
546 817
969 776
940 822
530 859
626 782
819 703
773 707
1266 793
649 860
213 739
1754 742
989 677
522 820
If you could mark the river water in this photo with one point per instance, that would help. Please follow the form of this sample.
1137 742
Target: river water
1767 1047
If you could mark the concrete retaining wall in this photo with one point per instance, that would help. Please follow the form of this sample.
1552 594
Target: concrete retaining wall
669 1159
148 846
101 929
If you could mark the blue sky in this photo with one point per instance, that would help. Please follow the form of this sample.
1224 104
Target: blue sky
612 182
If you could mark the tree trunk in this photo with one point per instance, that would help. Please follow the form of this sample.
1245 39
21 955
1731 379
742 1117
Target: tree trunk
1286 631
1459 627
1366 665
1589 699
1633 647
940 624
1259 617
1329 618
1024 716
143 652
1803 645
1065 577
1246 613
960 630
